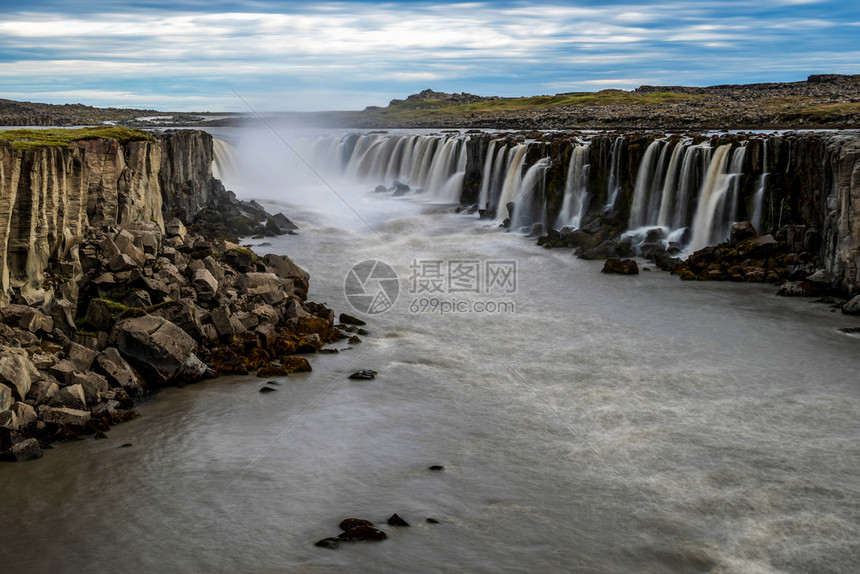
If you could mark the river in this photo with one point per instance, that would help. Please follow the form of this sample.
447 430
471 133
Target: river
593 423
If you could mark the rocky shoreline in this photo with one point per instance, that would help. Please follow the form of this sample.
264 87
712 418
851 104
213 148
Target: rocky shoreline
132 304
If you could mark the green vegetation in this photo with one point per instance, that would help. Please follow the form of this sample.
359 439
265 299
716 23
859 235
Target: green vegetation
33 139
441 109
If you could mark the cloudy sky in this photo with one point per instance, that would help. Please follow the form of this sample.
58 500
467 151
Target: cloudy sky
179 55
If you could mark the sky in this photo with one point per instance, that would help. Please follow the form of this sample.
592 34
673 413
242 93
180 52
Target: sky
185 55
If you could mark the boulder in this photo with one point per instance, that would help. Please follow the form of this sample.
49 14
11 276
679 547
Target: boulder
81 356
42 392
396 520
205 284
125 242
17 372
122 262
184 314
225 323
363 534
6 400
284 267
742 230
119 372
9 420
154 346
799 289
175 228
350 523
25 450
258 283
852 307
63 371
72 397
64 416
26 414
621 266
92 384
350 320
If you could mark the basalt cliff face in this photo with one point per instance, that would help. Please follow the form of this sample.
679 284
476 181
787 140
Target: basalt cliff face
51 197
801 188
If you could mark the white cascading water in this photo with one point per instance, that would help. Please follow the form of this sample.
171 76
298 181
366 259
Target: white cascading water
709 224
224 161
576 196
615 162
513 180
432 163
530 205
646 186
664 217
487 179
758 198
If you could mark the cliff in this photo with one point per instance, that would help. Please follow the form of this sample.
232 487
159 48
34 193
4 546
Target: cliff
809 198
51 197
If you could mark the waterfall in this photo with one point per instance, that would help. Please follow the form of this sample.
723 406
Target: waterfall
575 189
513 179
668 195
486 180
615 162
530 204
646 185
720 184
224 160
443 166
758 198
696 159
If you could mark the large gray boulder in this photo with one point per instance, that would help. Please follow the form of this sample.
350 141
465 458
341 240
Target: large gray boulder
25 450
284 267
9 420
154 346
42 392
17 372
258 283
204 284
81 356
119 372
64 416
72 397
852 307
25 413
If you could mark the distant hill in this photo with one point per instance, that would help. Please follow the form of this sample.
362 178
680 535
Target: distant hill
822 101
14 113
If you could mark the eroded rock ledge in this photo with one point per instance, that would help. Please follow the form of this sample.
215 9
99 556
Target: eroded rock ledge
103 301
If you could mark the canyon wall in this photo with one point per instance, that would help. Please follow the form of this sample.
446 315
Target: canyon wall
51 197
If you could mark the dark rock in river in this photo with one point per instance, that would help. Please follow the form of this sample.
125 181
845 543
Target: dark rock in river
621 266
363 534
363 375
350 523
395 520
350 320
852 307
330 543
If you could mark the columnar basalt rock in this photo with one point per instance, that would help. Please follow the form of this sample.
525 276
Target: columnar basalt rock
101 301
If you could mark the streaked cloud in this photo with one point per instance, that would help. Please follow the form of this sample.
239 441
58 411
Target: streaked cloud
352 54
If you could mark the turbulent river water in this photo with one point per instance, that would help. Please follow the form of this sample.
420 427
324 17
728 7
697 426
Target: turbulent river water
604 424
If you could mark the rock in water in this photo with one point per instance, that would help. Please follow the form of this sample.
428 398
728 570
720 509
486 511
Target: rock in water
363 375
350 523
26 450
395 520
363 534
621 266
350 320
330 543
852 307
